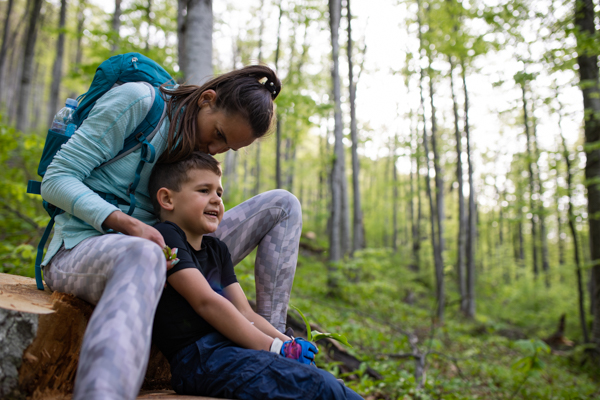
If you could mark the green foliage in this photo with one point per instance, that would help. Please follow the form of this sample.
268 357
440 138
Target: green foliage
471 359
314 335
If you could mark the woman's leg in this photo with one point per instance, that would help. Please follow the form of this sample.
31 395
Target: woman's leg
273 222
123 276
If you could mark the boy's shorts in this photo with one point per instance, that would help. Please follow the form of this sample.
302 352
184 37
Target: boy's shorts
215 366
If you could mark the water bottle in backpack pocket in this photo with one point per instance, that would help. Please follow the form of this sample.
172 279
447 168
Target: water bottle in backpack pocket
61 130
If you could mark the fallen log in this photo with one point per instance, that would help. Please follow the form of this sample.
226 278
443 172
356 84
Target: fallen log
41 334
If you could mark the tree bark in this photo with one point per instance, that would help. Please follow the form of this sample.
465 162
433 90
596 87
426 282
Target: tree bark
357 226
395 202
571 219
78 47
532 191
278 179
195 26
116 27
337 171
54 103
460 258
4 48
28 64
472 219
590 87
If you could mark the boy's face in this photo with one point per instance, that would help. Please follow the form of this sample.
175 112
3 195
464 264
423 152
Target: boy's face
197 207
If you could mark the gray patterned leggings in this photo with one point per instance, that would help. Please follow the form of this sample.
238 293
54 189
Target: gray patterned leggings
124 276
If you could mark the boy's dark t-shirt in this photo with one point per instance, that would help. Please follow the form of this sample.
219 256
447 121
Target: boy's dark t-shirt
176 324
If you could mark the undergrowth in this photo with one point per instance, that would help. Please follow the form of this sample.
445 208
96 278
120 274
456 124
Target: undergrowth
499 355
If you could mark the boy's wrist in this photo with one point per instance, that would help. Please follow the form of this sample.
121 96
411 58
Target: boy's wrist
276 346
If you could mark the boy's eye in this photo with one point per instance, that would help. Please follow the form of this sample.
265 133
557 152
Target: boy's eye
203 190
219 194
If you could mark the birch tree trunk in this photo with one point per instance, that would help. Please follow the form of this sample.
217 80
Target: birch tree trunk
4 48
357 226
278 183
195 26
472 219
532 191
460 258
54 101
116 27
571 218
78 47
28 64
590 87
395 202
337 171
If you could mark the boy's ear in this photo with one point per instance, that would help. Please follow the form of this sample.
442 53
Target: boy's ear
165 199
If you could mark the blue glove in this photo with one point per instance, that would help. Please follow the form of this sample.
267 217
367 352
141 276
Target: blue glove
300 350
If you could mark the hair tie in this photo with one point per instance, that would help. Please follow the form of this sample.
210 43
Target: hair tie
270 85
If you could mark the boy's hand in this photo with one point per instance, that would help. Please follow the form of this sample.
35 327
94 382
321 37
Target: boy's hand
299 349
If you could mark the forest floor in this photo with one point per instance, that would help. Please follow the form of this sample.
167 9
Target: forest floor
499 355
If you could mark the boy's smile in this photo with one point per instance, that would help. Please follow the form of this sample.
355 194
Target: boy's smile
197 208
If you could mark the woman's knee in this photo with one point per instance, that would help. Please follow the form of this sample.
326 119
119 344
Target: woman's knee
288 201
135 251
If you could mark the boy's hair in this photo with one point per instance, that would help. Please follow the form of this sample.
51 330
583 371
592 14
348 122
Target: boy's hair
173 175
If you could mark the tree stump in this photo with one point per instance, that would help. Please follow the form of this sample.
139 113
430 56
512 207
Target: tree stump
40 337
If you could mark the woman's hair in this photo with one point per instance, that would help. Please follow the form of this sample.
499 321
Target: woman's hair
248 92
173 175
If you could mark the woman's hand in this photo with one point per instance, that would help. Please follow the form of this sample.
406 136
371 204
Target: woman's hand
121 222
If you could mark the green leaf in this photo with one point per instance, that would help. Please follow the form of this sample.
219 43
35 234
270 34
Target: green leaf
308 330
316 335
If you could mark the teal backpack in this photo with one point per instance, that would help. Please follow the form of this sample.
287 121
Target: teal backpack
119 69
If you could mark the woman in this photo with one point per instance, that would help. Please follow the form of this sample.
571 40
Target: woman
123 275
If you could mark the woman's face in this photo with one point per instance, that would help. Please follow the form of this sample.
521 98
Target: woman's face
218 131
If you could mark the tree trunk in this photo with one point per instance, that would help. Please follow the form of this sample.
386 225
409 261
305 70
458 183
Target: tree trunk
460 259
439 185
28 64
195 26
54 102
4 48
278 180
571 219
395 202
357 227
472 219
337 171
116 27
532 191
149 21
417 228
78 48
541 210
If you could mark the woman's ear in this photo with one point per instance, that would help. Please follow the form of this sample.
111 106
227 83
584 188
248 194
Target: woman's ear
207 97
165 199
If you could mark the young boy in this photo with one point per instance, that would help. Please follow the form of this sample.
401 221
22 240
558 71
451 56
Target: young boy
216 344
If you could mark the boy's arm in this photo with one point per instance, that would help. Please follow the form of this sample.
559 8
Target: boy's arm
218 311
235 294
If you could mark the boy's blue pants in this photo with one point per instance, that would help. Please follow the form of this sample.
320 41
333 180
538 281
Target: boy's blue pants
215 366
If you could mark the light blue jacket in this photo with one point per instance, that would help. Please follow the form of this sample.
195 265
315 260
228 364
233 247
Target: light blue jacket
74 172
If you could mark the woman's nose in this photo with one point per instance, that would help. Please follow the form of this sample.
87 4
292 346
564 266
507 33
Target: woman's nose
217 148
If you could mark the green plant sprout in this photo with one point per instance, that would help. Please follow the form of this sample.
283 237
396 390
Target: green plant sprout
313 335
168 253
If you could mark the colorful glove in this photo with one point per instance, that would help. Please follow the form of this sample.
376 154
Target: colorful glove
297 349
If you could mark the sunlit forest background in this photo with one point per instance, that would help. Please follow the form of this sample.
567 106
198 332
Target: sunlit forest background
439 149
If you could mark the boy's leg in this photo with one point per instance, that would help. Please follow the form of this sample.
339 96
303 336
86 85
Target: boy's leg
123 276
273 222
216 367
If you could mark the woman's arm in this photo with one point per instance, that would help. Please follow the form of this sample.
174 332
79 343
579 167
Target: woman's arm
235 294
217 310
99 139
